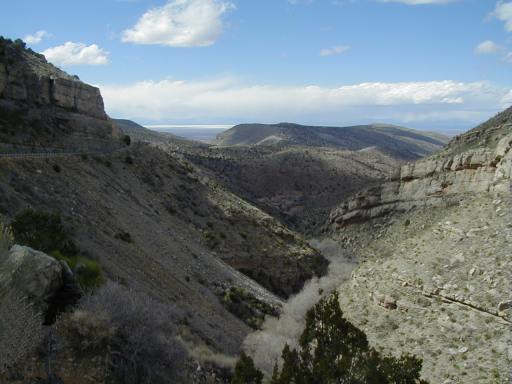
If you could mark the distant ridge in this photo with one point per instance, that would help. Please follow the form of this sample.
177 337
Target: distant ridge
407 143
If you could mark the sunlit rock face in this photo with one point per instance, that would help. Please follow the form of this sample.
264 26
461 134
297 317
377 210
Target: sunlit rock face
434 242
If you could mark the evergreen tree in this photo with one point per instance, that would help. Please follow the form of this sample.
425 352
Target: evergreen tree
246 372
333 351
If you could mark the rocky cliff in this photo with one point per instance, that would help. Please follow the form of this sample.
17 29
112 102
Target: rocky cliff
477 161
436 258
42 106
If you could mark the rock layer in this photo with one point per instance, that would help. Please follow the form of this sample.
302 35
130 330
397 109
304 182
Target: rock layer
435 181
42 106
435 245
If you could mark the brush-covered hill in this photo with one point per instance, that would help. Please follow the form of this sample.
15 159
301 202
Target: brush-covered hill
157 226
398 141
435 244
300 173
300 185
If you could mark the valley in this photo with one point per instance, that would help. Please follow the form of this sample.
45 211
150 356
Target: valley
207 250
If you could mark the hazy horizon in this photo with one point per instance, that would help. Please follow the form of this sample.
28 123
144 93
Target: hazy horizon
315 62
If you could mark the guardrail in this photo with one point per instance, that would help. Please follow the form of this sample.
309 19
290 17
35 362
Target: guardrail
35 155
42 155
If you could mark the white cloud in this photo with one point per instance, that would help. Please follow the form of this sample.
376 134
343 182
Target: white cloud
36 38
488 47
507 99
418 2
71 53
226 100
180 23
503 12
339 49
508 57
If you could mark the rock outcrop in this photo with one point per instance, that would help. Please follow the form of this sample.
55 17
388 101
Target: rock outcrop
464 166
33 275
42 106
436 258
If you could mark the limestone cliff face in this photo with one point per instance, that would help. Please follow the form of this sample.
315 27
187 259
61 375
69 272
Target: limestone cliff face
478 161
42 106
436 258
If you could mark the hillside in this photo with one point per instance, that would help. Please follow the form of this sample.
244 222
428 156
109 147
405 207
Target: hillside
300 185
397 141
300 173
435 245
154 223
164 140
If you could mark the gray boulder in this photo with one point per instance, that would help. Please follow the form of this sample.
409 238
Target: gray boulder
32 275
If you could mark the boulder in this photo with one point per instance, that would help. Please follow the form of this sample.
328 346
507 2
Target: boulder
32 274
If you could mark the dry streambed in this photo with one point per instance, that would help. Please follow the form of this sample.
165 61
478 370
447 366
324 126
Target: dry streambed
266 345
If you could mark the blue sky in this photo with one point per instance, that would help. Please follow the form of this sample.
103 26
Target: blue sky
441 64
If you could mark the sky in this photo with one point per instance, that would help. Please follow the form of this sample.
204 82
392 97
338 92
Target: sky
442 65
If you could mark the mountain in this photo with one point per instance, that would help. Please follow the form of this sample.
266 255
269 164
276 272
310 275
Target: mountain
157 226
435 251
300 173
299 185
142 134
403 142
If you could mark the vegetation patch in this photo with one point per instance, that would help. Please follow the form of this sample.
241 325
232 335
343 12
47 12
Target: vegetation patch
247 307
124 236
45 232
130 336
331 350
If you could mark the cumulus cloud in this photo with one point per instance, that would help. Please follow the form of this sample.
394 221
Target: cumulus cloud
507 99
337 50
227 100
488 47
503 12
71 53
180 23
36 38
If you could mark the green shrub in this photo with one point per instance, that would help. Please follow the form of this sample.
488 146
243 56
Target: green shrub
246 372
127 140
45 232
247 307
88 272
332 350
42 231
124 236
56 168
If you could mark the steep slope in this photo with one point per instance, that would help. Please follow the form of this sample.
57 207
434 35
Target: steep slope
477 161
398 141
436 249
300 185
43 107
154 223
